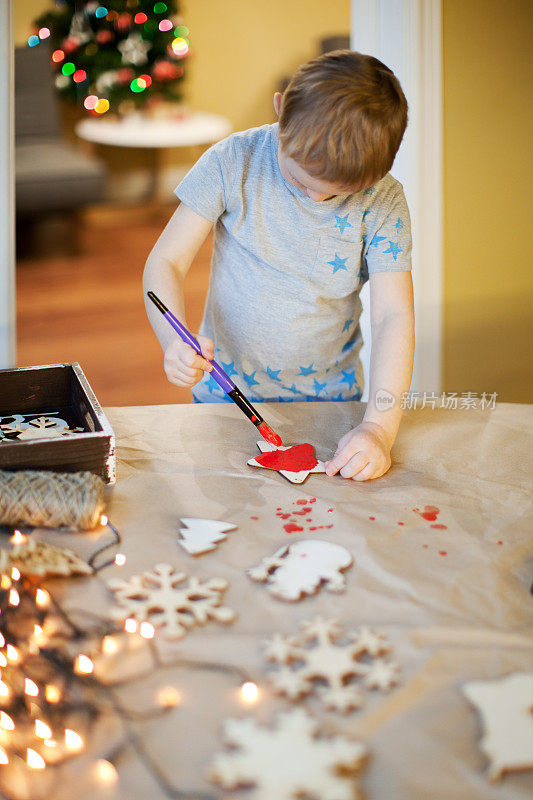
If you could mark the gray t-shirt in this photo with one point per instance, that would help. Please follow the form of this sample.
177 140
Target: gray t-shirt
283 304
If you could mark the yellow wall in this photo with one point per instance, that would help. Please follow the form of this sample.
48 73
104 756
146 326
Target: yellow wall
488 179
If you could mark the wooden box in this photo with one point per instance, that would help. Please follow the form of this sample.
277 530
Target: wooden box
62 390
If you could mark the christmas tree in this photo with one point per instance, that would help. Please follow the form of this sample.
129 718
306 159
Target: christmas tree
118 55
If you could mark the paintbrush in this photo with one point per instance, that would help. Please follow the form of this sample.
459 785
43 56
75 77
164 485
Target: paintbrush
223 380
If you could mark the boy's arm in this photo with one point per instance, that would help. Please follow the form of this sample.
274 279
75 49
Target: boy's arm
165 270
364 452
393 341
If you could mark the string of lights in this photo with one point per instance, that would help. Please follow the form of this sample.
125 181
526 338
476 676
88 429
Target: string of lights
55 682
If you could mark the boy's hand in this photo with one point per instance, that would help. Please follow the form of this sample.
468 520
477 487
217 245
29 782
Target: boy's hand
183 366
363 453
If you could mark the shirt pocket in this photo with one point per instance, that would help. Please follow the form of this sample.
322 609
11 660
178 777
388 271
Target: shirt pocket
336 271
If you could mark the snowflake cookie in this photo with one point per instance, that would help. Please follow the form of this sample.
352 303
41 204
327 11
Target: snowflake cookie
160 598
324 660
299 569
287 761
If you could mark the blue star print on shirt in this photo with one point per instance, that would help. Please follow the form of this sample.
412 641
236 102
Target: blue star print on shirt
229 369
250 378
308 370
338 263
365 213
319 387
342 223
399 225
370 191
349 378
376 240
347 325
274 374
394 248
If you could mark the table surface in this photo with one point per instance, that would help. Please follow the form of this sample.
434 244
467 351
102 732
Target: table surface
454 602
136 130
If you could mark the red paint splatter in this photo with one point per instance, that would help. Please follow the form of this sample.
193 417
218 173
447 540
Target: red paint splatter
295 459
320 527
303 511
290 527
278 509
309 520
301 502
439 527
313 500
270 435
499 542
372 518
254 517
283 516
430 513
401 523
425 545
443 553
330 510
253 418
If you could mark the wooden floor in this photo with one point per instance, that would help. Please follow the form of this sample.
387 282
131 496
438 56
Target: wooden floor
88 306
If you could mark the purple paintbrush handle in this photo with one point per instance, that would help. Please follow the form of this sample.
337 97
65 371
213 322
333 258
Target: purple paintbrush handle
223 380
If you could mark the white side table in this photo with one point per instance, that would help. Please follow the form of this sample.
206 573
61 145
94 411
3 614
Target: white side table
197 129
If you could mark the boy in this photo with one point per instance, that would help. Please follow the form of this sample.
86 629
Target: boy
305 212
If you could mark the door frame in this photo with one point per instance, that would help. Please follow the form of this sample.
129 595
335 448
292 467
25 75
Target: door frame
407 36
7 191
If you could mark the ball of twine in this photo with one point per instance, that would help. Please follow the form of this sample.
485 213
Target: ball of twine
51 499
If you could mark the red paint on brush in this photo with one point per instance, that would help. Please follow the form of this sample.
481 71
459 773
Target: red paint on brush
430 513
268 434
295 459
290 527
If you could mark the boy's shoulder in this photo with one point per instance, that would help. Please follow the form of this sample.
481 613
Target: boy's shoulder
243 144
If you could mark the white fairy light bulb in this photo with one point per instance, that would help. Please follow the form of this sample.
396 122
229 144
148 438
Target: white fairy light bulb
51 743
42 730
14 597
73 740
2 640
103 520
147 630
34 760
249 692
109 645
12 653
5 581
168 697
105 771
83 665
18 538
120 559
37 630
15 574
6 723
3 756
30 687
3 660
130 625
4 690
52 693
42 598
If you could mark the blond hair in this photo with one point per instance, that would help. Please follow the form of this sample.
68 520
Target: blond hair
342 118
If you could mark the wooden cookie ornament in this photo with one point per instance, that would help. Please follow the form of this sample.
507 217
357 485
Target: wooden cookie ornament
506 707
201 535
159 597
40 559
287 761
295 462
323 660
299 569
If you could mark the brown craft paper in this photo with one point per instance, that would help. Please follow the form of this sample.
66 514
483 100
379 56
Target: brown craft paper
449 618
